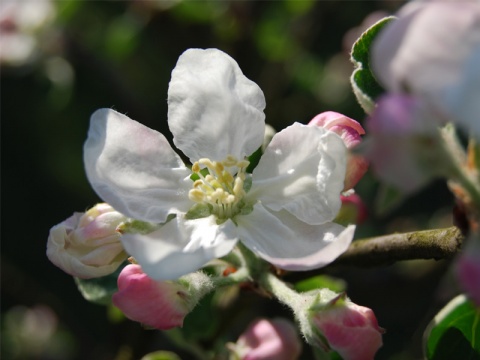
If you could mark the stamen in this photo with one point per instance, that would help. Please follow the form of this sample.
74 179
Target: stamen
220 188
196 195
196 167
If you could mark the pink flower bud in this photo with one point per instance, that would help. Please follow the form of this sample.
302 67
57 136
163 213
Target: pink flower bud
264 339
86 245
353 210
349 130
159 304
349 329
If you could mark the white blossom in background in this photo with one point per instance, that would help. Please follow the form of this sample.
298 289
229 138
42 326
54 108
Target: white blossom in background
283 211
21 25
432 51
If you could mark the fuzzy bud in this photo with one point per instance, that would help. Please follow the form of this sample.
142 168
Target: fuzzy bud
332 322
349 130
159 304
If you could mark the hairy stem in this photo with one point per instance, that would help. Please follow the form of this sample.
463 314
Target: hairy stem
383 250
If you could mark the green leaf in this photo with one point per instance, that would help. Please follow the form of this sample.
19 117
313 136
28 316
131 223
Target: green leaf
161 355
455 332
99 290
365 86
321 282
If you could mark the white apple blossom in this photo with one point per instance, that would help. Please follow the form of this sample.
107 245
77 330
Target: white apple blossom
282 211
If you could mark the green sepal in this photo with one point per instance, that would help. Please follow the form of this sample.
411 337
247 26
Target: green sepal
199 211
203 171
132 226
247 183
100 290
320 282
254 160
454 333
365 86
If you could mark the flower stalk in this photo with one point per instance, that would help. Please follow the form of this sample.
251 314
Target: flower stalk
461 173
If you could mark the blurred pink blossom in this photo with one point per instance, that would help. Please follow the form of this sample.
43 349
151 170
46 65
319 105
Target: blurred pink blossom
349 130
264 339
401 146
21 27
432 52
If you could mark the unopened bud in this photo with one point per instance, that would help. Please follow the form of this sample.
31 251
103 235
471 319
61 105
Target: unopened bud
86 245
159 304
349 130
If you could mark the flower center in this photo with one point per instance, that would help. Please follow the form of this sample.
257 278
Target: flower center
219 188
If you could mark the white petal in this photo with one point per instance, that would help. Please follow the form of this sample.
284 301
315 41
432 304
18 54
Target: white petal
181 246
302 171
213 109
283 240
134 168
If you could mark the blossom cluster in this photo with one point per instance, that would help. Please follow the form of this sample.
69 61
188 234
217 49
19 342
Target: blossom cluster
172 219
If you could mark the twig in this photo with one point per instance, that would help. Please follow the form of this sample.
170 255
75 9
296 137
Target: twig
383 250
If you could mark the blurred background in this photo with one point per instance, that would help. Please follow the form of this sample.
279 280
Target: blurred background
60 61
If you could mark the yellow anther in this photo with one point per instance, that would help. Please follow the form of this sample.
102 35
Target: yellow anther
218 167
196 167
209 178
196 195
197 183
207 162
243 164
217 194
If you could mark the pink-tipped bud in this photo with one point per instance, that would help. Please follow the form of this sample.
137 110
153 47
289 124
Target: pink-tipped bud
86 245
264 339
349 329
158 304
353 210
349 130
